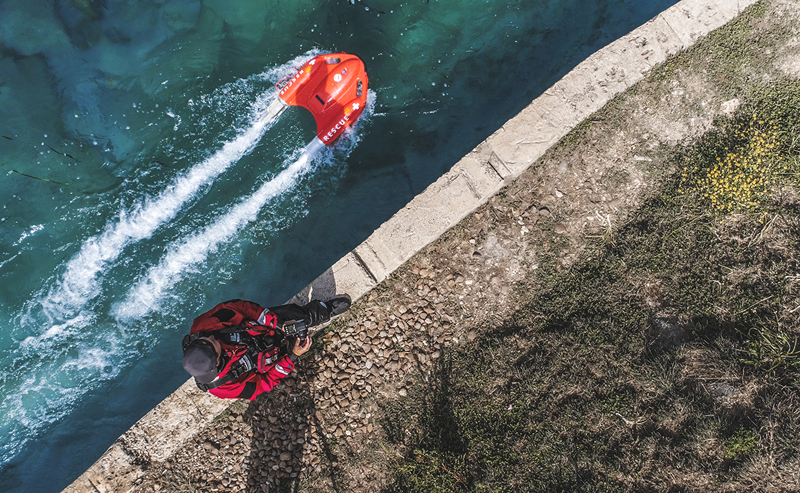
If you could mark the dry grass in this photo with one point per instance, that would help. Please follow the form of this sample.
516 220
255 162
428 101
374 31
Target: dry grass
665 359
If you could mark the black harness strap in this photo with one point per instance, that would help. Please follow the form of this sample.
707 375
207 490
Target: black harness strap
238 368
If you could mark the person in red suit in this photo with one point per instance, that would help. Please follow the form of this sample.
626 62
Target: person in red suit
238 349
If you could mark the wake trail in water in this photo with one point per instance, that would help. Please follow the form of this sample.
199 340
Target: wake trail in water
146 295
64 358
66 346
64 361
80 284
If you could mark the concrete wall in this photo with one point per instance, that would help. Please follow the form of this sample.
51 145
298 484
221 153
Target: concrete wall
472 181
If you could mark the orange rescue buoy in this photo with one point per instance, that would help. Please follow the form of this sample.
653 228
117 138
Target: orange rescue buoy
333 87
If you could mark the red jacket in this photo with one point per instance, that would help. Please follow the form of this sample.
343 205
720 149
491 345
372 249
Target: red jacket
235 313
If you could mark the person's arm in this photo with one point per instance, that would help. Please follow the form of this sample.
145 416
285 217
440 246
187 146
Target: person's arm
280 370
253 311
258 383
301 346
232 313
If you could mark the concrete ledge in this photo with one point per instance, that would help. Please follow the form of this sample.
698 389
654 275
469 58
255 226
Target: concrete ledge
155 437
349 275
471 181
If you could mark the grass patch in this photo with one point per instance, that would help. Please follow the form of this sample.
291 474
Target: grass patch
772 350
742 180
576 134
744 163
740 445
656 363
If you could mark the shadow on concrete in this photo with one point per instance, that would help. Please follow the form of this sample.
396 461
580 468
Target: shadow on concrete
322 288
288 436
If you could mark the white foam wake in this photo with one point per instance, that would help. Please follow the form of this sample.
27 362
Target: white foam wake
80 284
69 347
146 295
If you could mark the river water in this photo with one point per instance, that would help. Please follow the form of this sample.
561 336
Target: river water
140 184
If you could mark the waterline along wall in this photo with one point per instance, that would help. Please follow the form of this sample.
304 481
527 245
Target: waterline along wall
470 182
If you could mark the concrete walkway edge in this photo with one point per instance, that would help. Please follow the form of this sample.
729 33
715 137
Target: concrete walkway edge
470 182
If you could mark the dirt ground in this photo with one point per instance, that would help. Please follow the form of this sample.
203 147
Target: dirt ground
321 429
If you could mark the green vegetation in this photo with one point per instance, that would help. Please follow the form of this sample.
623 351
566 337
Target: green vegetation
740 444
772 350
666 359
753 155
743 180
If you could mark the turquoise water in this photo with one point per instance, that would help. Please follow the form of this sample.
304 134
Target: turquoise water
140 185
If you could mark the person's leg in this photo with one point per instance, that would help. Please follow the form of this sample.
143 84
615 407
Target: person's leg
313 313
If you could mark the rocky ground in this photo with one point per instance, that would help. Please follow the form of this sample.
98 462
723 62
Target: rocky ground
322 430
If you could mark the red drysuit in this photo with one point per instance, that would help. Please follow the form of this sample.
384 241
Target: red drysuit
266 374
